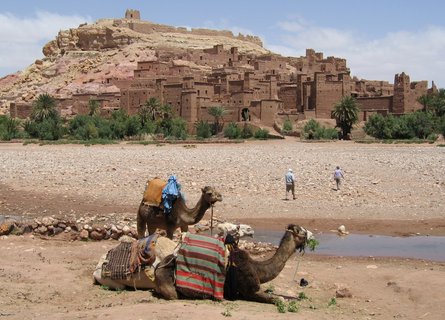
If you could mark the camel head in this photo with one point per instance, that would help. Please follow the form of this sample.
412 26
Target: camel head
210 195
301 236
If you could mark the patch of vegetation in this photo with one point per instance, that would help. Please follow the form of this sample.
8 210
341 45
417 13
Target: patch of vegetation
203 129
232 131
293 306
262 134
332 302
9 128
287 127
281 306
302 296
419 125
312 244
314 131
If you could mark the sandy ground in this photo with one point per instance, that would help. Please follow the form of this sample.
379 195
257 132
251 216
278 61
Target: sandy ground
393 190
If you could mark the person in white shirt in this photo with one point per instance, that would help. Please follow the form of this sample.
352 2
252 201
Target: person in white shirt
290 183
338 175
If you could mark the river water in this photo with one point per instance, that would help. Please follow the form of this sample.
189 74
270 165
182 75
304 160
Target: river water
355 245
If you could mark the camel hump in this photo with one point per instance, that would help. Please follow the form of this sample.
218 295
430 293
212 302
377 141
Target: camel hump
153 192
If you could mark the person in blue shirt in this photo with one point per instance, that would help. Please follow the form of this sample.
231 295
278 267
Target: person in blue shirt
290 183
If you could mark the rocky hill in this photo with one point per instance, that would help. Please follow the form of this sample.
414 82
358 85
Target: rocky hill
79 60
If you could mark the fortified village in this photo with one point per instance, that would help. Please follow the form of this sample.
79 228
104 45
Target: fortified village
252 84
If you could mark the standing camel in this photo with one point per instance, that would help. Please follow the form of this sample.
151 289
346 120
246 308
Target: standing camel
249 272
152 217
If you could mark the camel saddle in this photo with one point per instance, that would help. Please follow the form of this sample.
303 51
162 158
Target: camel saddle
128 258
153 192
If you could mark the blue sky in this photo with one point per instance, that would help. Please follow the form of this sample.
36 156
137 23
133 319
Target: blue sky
378 38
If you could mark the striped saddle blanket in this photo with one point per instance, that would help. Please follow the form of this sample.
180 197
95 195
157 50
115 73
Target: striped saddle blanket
200 265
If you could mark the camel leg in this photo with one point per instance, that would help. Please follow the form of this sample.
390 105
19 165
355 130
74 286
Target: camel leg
164 278
261 297
140 226
151 229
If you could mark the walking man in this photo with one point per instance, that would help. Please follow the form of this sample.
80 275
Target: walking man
338 175
290 183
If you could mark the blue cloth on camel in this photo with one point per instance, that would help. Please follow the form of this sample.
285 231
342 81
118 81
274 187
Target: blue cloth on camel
170 193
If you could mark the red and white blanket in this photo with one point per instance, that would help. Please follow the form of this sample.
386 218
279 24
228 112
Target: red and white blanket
200 265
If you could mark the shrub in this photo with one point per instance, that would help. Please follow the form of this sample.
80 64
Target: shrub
178 128
232 131
148 127
314 131
380 127
203 129
132 126
310 128
442 125
262 134
287 126
418 124
9 128
246 132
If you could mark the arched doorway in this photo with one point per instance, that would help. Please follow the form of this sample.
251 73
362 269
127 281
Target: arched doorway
245 114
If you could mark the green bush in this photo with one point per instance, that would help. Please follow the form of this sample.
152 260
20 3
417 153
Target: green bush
379 127
48 129
418 124
441 125
9 128
132 126
287 127
314 131
178 128
148 127
203 129
262 134
232 131
246 132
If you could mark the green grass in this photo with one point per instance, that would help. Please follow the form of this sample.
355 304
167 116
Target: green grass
332 302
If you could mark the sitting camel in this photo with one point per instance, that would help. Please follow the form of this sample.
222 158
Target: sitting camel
249 273
152 217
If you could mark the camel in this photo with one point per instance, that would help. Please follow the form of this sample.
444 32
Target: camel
250 273
152 217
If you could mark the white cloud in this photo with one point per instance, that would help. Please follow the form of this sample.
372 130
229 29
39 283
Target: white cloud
22 39
419 54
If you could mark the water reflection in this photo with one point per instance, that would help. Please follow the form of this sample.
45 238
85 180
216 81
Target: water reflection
354 245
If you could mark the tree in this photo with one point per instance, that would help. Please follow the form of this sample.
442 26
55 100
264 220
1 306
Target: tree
346 114
425 100
149 110
218 112
438 103
44 108
93 107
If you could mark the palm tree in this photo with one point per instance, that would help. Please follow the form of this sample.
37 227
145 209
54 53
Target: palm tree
346 113
149 110
93 107
44 108
218 112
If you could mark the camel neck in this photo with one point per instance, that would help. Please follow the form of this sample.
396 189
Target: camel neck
269 269
193 215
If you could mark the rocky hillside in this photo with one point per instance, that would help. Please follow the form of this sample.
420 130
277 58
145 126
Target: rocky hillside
80 60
